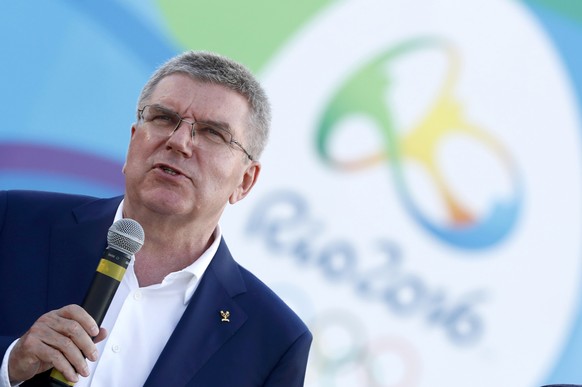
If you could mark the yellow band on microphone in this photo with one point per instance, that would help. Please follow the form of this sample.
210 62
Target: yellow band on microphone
111 269
56 374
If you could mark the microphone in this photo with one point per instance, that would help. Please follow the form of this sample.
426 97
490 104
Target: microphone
124 238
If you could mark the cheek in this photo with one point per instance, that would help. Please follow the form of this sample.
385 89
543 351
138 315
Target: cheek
213 176
140 147
132 155
230 178
136 160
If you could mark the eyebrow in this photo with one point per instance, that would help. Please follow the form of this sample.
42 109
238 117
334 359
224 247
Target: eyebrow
220 124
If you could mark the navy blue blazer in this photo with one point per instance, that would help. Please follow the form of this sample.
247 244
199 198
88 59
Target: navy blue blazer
50 245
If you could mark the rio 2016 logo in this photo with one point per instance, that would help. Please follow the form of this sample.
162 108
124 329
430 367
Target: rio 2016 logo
364 94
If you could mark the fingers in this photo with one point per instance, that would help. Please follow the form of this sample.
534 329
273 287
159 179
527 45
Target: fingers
74 323
61 339
79 315
102 335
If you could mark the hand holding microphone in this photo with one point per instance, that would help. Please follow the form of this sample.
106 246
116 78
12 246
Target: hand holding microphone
64 338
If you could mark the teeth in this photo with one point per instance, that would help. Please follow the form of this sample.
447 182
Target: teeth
169 170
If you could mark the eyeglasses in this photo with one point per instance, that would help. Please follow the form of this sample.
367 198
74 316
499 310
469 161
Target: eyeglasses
165 122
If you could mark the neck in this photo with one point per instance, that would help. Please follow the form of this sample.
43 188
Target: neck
169 246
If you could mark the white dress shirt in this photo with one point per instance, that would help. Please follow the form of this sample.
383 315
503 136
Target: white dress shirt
139 322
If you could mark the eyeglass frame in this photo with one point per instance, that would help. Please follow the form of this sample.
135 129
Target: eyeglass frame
192 131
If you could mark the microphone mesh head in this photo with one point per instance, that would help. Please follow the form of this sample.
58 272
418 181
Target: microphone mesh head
126 235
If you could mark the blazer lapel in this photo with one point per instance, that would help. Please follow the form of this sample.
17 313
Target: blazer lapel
201 331
77 242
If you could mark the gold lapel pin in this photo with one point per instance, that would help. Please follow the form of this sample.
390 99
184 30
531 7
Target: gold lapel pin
225 316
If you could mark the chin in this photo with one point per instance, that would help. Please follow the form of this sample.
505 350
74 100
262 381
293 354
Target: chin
167 201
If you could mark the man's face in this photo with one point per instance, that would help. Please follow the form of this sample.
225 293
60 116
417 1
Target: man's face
178 176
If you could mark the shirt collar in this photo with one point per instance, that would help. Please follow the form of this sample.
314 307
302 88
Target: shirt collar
195 270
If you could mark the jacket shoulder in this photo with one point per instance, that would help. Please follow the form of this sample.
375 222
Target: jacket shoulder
38 200
268 306
22 209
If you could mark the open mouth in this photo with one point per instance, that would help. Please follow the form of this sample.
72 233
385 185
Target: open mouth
168 170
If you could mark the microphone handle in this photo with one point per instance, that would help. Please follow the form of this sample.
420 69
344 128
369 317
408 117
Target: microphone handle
105 282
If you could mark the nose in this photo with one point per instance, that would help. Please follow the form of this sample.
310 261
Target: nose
182 141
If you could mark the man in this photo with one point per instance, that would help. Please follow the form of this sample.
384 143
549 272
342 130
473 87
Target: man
185 313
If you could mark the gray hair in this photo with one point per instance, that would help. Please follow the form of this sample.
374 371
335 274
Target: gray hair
217 69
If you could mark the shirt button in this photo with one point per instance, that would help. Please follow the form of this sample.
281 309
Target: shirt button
137 295
115 348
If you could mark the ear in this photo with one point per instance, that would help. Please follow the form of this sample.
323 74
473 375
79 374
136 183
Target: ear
247 182
130 138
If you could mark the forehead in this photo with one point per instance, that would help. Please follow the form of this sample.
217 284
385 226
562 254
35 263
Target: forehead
203 101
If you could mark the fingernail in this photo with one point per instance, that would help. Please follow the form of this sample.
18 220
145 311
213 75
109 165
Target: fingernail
94 331
94 355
